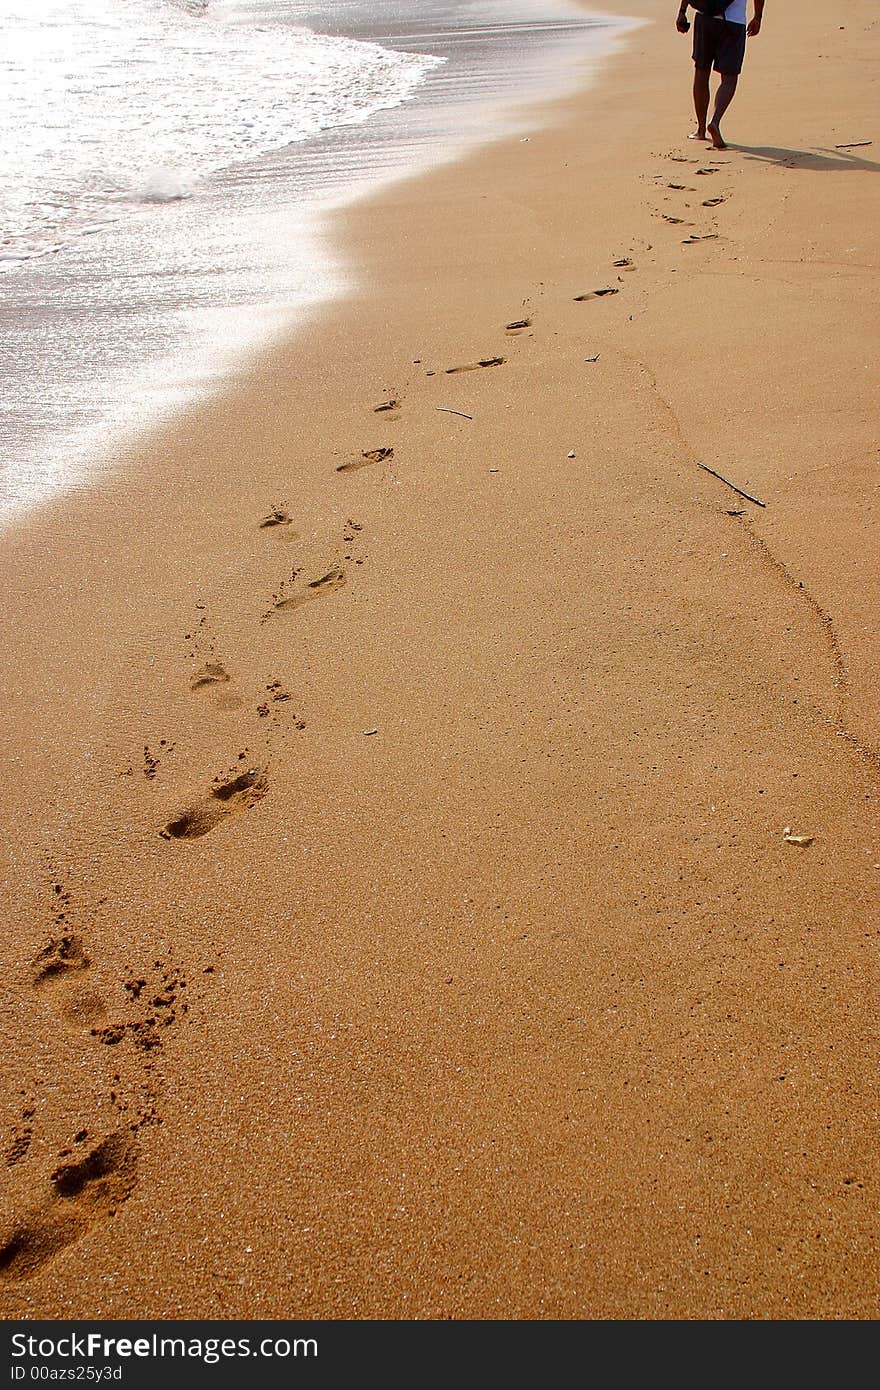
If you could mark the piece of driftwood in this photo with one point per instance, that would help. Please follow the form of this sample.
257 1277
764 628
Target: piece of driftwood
854 145
446 411
747 495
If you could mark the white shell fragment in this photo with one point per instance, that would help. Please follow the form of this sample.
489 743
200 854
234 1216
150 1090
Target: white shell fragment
796 839
369 732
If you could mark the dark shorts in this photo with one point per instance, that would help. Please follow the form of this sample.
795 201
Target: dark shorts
719 45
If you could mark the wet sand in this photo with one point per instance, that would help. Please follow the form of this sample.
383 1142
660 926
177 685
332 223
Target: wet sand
400 915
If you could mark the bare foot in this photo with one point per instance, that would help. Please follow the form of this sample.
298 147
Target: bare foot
716 136
697 135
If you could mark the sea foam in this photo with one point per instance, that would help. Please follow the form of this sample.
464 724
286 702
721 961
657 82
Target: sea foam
99 98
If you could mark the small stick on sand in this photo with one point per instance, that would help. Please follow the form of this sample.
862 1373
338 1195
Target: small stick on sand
854 145
446 411
747 495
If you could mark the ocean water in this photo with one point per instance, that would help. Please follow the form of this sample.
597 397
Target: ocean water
113 102
167 169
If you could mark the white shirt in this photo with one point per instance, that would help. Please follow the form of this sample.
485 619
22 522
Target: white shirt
736 12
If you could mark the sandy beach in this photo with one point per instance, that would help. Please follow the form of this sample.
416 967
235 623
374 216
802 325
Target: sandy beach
440 819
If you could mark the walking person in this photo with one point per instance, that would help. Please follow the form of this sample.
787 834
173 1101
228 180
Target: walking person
719 43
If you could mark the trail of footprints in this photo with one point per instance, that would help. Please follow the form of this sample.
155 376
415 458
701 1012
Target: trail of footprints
705 170
235 792
97 1173
238 791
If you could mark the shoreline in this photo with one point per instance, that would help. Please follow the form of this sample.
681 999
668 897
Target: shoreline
520 1006
272 234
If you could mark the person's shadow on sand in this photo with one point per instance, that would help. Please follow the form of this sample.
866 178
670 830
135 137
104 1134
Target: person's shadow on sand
809 159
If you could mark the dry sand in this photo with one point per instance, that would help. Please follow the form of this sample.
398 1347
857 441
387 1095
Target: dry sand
520 1006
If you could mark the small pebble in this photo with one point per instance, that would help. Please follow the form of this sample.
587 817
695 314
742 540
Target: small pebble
572 454
803 840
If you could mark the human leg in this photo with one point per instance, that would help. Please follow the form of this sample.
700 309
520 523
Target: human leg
723 98
701 102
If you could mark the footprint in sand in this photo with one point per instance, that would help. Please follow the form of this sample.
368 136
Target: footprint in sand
596 294
209 677
327 584
278 516
212 675
82 1192
280 523
212 678
22 1134
61 969
226 798
365 459
60 960
475 366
